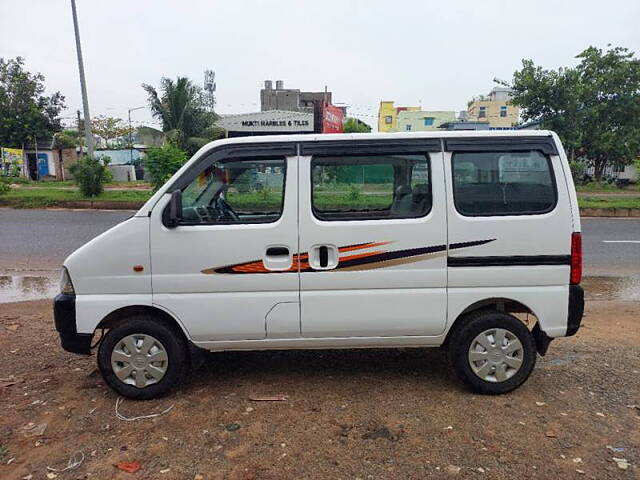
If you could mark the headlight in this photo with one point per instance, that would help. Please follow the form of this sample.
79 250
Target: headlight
66 287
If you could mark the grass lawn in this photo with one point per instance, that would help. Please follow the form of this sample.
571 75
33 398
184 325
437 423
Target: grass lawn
595 187
609 202
51 197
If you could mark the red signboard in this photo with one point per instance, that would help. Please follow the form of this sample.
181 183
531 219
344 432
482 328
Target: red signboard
332 119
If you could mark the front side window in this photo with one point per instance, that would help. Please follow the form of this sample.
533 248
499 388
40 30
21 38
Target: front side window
236 191
407 127
483 112
388 119
503 111
374 187
503 183
428 121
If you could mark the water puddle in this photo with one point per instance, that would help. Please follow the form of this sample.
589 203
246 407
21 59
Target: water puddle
19 288
612 288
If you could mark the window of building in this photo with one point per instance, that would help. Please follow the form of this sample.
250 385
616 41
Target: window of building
428 121
236 191
482 112
503 183
388 119
374 187
503 111
407 127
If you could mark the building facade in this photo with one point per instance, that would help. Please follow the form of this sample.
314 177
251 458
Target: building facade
388 116
286 110
495 108
423 120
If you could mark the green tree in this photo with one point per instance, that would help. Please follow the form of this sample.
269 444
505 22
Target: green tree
353 125
594 107
180 106
110 128
162 162
26 113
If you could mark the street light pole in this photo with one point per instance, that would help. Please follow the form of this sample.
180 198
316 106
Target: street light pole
83 84
130 133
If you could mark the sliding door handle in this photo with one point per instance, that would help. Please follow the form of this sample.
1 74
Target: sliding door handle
277 251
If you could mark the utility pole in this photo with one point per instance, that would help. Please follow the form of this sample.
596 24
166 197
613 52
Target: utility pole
131 133
83 84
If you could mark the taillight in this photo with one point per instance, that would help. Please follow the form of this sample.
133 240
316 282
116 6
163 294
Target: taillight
576 258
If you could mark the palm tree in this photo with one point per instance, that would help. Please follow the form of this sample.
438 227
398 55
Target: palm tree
181 109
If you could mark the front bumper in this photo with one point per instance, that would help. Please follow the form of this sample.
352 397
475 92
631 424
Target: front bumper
64 314
576 309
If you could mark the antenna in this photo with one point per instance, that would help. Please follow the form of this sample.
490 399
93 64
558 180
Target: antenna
210 89
499 81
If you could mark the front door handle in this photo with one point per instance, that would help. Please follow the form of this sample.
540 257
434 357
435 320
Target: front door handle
277 251
277 258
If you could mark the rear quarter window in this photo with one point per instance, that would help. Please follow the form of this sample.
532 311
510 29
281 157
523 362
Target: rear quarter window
503 183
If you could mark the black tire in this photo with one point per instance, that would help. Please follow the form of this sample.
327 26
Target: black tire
170 338
474 325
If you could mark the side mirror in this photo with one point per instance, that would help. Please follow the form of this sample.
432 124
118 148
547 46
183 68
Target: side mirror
172 214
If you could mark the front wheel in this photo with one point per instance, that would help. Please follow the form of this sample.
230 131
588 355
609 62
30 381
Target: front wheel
492 353
141 358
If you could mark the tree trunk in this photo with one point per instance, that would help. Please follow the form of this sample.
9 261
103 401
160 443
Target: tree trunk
599 166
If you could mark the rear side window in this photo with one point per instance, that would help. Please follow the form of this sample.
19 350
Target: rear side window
503 183
373 187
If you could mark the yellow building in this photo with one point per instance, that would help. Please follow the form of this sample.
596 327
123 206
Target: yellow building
388 116
495 108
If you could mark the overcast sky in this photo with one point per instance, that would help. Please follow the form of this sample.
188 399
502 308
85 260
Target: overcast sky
437 54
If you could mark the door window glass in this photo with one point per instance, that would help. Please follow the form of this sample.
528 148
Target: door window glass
371 187
503 183
236 191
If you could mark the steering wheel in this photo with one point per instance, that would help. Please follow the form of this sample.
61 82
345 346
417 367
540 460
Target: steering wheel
225 209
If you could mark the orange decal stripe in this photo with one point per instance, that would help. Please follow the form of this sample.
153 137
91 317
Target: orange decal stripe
362 255
363 246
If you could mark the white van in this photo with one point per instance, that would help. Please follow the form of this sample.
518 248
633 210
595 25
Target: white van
468 240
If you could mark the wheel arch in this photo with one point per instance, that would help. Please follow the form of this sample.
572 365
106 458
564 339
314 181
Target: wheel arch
492 304
120 315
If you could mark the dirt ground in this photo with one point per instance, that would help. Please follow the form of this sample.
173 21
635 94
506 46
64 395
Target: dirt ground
351 414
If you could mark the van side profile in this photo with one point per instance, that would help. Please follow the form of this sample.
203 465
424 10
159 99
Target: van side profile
467 240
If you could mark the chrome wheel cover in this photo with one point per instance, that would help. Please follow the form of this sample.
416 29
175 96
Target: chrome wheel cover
496 355
139 360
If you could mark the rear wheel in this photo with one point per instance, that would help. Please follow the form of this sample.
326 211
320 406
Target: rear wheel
492 352
141 358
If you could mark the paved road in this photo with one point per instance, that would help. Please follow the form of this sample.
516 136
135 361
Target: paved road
43 238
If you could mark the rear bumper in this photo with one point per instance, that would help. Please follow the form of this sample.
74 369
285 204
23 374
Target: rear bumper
576 309
64 314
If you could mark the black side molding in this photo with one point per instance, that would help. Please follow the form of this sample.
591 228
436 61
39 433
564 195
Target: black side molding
508 261
363 147
498 144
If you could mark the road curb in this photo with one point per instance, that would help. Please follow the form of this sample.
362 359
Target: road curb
610 212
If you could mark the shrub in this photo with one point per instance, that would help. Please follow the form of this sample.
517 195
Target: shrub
91 174
354 192
162 162
4 187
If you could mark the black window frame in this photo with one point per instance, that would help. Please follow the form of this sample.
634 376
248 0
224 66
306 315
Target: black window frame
318 216
249 159
508 214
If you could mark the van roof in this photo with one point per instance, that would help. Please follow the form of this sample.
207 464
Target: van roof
306 137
